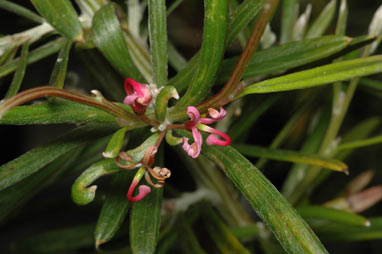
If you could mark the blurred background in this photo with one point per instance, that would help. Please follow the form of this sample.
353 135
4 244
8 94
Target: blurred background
53 208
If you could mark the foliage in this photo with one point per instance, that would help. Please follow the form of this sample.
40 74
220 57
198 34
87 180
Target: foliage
264 80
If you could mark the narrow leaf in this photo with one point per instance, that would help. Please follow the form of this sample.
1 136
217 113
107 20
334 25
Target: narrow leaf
288 19
291 156
35 159
288 227
20 10
286 56
239 20
18 194
338 216
114 209
82 193
108 37
291 231
57 111
57 78
115 144
341 232
158 40
145 223
211 52
360 143
311 145
241 17
322 22
34 56
318 76
62 16
19 74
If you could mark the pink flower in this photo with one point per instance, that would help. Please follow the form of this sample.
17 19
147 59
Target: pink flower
196 123
138 95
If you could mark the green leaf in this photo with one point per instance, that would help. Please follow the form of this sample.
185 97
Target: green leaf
342 18
18 194
62 16
322 22
288 227
338 216
311 145
288 19
57 111
173 6
65 239
358 132
239 20
57 78
360 143
33 160
108 37
115 144
245 231
211 52
318 76
241 17
20 10
372 86
145 222
34 56
19 75
82 193
291 156
158 40
286 56
223 237
114 208
340 232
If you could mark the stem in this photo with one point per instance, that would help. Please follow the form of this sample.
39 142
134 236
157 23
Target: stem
233 84
44 91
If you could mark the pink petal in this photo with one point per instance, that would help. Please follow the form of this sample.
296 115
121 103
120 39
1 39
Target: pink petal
143 190
130 99
215 116
194 149
213 139
194 114
144 95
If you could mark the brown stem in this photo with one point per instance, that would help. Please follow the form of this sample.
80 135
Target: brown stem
233 84
44 91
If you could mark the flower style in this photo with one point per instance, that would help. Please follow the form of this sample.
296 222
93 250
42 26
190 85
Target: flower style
146 170
196 123
138 95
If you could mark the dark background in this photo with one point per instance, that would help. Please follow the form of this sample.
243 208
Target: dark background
185 30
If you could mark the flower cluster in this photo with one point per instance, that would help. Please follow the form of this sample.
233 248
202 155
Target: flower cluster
197 123
138 97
